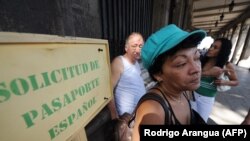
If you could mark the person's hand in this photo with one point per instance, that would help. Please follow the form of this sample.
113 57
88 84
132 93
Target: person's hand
126 117
227 71
220 82
217 71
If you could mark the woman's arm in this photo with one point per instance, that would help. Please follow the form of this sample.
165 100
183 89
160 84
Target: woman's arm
231 73
116 70
153 115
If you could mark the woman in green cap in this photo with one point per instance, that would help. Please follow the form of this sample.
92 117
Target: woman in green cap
173 60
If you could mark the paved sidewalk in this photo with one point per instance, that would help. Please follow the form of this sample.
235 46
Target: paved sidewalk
231 107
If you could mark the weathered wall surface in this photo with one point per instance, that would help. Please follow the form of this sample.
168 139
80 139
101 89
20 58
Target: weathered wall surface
57 17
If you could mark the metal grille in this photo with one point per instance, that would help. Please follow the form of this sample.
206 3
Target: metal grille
121 17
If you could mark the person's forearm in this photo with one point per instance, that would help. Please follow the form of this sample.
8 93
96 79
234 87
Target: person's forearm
233 83
112 109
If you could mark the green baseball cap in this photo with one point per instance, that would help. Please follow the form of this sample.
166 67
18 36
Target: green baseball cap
163 40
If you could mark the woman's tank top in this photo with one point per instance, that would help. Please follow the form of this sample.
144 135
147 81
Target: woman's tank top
207 87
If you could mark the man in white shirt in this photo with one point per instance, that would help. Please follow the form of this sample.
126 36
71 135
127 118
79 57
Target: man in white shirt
128 85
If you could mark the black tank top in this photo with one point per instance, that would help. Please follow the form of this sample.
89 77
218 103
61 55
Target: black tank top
170 118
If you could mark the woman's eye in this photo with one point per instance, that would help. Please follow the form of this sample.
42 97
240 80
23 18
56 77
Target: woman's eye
180 65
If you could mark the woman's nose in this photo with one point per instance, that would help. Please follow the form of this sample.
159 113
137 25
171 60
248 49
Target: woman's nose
195 67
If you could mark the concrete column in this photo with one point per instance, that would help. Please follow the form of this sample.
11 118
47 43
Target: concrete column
240 43
179 12
226 34
244 59
171 11
234 40
229 33
188 14
233 32
160 15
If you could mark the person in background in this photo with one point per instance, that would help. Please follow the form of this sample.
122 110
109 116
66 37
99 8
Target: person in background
128 85
172 59
203 51
148 82
214 63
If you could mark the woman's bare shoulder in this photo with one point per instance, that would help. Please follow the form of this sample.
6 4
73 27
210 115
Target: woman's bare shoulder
151 112
230 65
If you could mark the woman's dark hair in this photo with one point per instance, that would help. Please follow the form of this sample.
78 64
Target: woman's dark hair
223 56
156 67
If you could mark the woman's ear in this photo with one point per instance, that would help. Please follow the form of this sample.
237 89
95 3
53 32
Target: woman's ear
158 77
